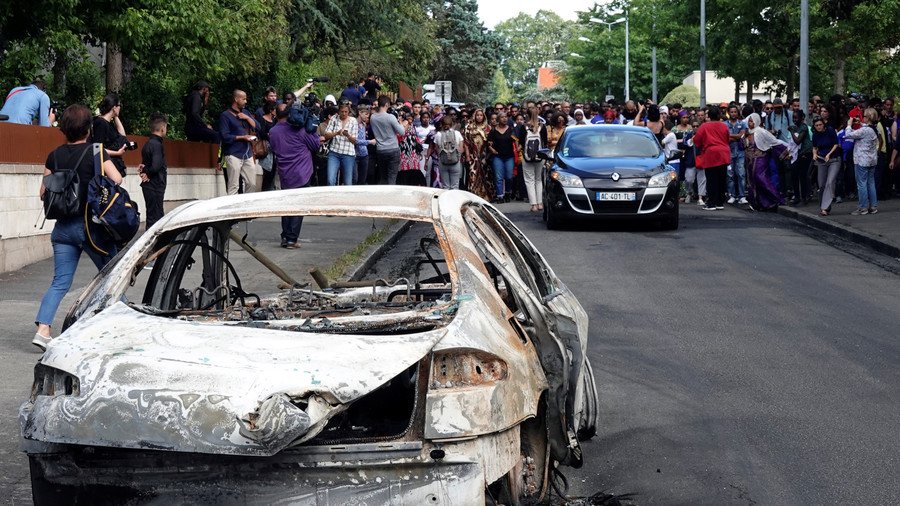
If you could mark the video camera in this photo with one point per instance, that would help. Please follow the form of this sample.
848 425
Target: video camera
129 145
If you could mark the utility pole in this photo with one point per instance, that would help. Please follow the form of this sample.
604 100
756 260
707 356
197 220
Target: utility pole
804 55
627 85
654 67
702 53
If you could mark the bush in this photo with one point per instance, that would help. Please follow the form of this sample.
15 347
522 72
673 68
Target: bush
686 95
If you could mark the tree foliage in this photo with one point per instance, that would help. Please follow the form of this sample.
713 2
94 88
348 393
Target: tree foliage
853 46
528 41
167 45
467 52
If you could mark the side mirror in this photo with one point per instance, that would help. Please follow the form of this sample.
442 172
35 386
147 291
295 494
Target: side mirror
544 154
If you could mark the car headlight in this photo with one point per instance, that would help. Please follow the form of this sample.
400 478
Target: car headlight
567 180
663 179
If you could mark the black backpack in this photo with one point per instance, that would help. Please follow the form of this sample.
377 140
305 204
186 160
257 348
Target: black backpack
61 191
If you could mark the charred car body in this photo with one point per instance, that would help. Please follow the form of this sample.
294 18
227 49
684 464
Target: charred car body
465 381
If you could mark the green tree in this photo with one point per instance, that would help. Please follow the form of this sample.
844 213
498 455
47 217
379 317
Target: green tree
686 95
501 90
528 41
467 52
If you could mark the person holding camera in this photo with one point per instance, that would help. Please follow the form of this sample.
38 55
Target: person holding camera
153 169
386 128
68 236
108 130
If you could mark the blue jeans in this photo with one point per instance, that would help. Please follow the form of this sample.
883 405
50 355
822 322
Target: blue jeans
68 242
346 164
865 187
737 172
503 171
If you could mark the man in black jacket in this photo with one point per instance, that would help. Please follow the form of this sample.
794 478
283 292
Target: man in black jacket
195 127
153 169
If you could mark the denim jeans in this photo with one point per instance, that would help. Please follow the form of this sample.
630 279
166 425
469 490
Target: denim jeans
737 173
865 187
344 163
503 171
68 242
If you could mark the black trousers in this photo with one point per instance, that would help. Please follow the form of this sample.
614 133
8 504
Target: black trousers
800 177
716 185
153 204
201 133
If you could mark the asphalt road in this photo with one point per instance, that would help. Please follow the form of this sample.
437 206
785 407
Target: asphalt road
740 361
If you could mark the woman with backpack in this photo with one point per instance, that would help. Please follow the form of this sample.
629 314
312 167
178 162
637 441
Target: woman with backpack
68 237
450 148
533 137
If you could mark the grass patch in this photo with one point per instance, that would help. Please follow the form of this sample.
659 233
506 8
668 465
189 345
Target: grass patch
337 270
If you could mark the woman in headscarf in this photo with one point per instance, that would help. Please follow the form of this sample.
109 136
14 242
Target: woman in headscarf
761 146
579 117
480 178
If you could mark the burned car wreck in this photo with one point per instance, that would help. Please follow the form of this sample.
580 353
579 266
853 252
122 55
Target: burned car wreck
462 379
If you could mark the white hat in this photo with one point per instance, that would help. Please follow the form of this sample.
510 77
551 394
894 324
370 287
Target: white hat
663 109
330 98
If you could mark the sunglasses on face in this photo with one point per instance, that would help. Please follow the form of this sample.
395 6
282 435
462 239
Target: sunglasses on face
767 109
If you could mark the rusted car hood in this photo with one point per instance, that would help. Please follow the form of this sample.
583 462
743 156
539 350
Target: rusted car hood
153 382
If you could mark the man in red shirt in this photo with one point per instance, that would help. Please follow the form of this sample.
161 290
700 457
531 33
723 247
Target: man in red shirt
713 157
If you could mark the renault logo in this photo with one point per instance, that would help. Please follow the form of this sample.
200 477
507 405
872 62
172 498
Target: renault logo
615 176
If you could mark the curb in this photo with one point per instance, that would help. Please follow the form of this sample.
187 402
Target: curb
376 252
849 233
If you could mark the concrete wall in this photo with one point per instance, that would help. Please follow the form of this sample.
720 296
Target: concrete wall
23 151
23 243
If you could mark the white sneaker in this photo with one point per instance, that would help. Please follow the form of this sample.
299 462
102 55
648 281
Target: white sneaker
732 200
701 202
743 201
687 199
41 341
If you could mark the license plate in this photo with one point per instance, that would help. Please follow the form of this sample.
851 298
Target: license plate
616 196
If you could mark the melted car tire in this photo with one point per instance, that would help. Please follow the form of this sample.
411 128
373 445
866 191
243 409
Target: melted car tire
534 445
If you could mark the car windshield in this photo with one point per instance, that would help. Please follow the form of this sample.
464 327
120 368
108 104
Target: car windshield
597 143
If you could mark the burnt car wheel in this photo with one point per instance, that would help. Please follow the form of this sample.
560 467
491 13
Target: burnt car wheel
527 482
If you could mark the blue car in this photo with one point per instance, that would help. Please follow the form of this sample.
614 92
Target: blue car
610 172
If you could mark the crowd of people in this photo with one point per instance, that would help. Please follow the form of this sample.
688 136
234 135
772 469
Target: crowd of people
764 154
760 154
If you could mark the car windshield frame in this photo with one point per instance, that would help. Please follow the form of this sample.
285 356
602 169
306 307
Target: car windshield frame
568 150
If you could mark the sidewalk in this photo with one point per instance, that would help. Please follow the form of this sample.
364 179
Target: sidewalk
879 232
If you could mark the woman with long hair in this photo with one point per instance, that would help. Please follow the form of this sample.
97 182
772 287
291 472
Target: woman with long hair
501 145
475 137
532 137
558 123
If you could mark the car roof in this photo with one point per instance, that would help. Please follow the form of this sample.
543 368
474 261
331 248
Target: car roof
386 201
603 126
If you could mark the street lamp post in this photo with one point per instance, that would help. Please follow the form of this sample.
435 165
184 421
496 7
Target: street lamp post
609 24
702 53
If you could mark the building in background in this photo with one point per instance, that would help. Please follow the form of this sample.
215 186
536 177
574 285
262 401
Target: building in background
548 74
721 89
